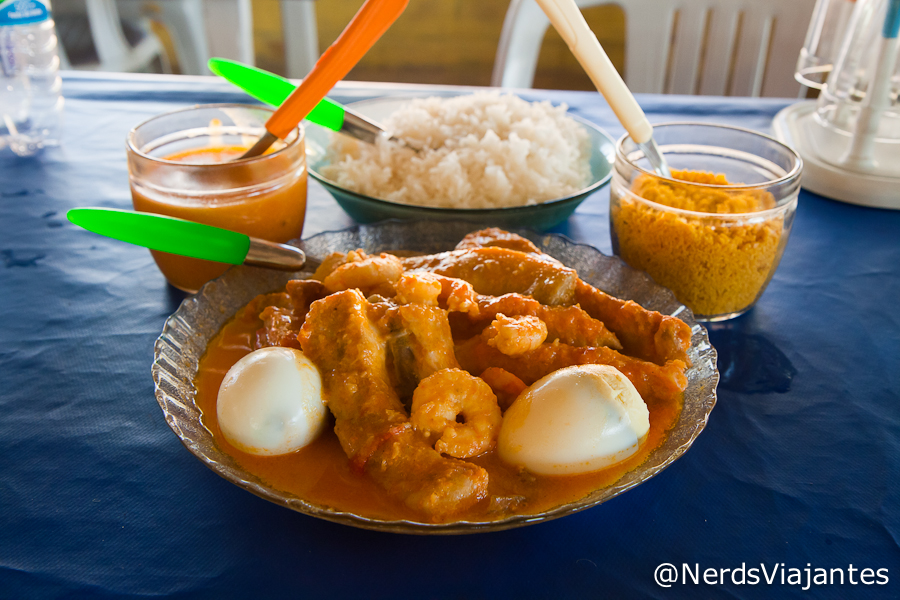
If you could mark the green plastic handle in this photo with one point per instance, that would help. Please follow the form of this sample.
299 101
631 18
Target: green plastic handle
274 89
166 234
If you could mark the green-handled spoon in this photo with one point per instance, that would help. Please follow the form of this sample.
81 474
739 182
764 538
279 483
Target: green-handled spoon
273 90
187 238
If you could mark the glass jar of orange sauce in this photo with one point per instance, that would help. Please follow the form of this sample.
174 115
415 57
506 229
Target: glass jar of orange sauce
183 164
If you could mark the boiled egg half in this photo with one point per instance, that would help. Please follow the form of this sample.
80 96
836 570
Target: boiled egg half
271 403
575 420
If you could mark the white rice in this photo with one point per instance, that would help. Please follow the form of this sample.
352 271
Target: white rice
484 150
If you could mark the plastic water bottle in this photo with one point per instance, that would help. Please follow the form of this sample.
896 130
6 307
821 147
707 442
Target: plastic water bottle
30 101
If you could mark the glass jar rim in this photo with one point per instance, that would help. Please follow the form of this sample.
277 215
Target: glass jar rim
792 174
132 146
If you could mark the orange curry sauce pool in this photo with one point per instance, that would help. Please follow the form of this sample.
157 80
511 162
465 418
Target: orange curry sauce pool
320 473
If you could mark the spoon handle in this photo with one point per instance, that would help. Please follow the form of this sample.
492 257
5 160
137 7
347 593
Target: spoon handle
572 27
372 20
188 238
274 90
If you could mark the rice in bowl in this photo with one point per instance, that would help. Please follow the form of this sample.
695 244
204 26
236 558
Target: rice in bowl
483 150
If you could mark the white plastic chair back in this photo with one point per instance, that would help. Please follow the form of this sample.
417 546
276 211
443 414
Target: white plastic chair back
229 30
710 47
301 36
113 50
185 20
189 23
224 28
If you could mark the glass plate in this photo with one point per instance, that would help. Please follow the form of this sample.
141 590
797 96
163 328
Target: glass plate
188 331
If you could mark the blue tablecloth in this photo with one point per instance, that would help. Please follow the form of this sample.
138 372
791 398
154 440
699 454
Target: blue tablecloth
798 468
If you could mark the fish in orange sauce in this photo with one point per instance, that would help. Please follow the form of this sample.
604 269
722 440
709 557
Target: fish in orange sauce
401 343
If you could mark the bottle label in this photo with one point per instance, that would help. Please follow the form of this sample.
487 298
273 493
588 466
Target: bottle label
23 12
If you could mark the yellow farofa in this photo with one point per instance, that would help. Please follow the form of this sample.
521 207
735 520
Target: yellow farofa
715 266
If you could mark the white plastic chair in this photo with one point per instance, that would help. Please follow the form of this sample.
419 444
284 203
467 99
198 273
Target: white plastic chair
185 20
199 29
301 36
224 28
189 23
710 47
229 30
114 52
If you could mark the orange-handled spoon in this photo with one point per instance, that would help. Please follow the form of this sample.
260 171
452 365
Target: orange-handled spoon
369 24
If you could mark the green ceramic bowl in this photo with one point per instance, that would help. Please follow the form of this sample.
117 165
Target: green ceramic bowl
366 209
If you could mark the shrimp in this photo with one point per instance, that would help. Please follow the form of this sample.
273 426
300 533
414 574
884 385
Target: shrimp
418 288
446 395
569 324
459 295
335 260
371 274
515 335
429 289
505 385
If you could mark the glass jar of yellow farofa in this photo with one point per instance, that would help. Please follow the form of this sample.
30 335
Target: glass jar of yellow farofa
715 231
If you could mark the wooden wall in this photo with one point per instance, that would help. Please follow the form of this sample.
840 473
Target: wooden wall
441 41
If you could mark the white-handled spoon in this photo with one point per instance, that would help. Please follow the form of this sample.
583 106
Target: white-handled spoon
570 23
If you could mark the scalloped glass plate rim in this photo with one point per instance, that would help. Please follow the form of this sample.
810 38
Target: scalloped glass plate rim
187 332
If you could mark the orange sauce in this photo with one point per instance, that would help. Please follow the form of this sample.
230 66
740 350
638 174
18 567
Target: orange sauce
320 473
263 199
210 155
